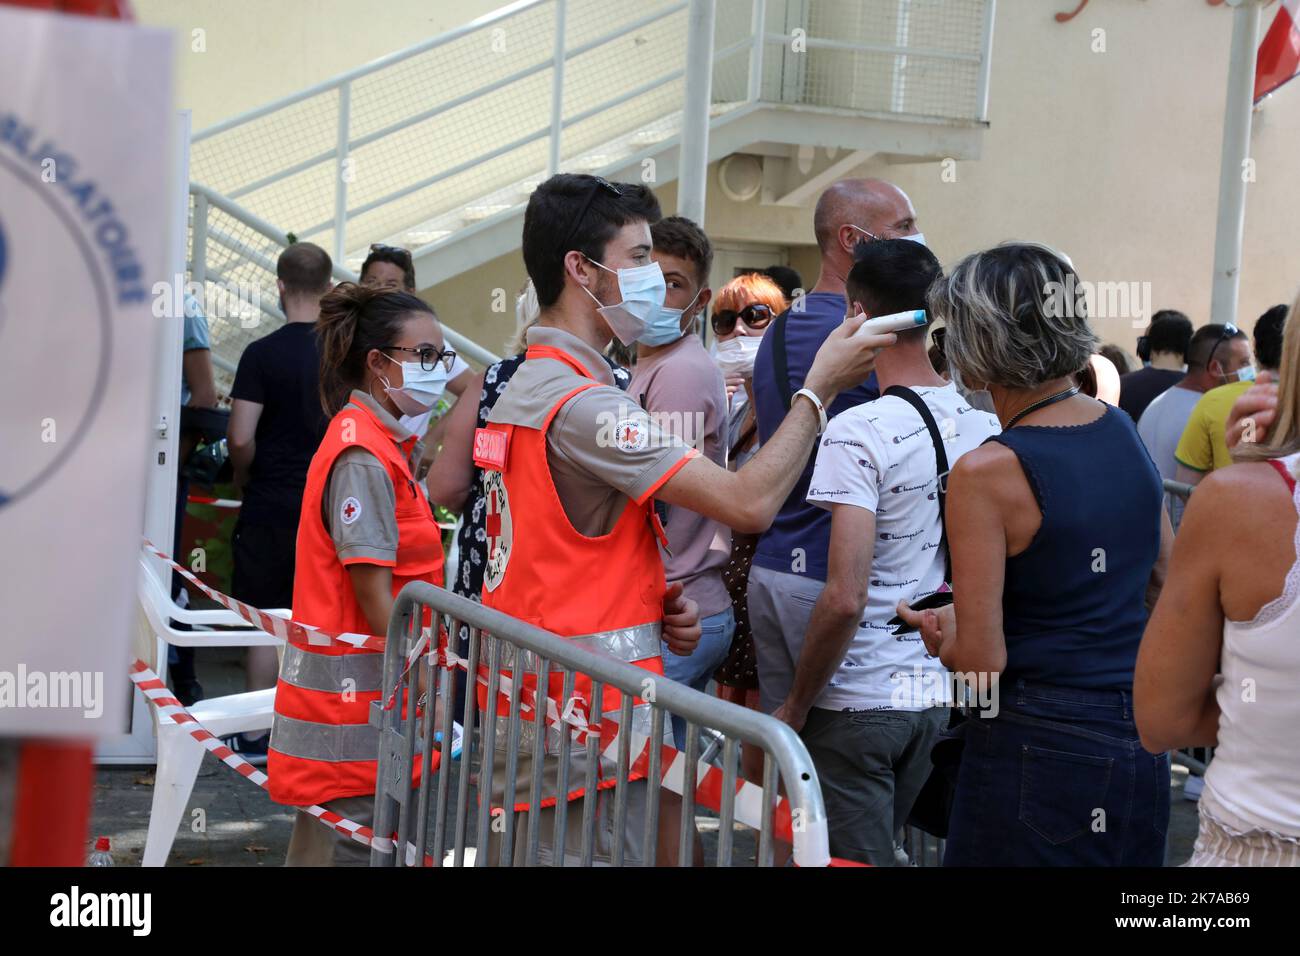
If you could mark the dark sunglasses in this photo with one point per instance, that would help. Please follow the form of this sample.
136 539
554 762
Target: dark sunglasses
390 250
755 315
429 356
1229 332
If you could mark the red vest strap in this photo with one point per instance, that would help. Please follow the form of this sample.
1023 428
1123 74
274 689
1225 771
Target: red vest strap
551 352
1284 472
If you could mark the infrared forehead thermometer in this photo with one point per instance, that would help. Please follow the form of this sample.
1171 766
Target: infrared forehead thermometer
897 322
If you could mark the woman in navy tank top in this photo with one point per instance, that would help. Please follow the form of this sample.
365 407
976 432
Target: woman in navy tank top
1059 544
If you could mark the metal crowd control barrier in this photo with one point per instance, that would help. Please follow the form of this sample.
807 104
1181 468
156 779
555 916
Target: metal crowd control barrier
1176 495
495 639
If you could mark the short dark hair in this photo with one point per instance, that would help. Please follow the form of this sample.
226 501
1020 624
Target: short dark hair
789 280
1169 331
1268 337
304 268
892 275
394 256
569 212
1205 340
678 236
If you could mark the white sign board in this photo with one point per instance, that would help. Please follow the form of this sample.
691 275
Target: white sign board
85 191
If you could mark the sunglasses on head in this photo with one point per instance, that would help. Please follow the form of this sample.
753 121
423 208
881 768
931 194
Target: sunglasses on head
598 183
755 315
1229 331
390 250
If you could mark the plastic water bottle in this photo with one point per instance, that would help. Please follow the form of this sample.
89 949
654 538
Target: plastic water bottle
101 856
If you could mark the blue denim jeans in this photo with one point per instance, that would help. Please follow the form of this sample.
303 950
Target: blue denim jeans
695 670
1058 778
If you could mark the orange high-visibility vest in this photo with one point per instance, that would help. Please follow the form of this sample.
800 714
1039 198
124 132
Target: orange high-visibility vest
322 745
604 592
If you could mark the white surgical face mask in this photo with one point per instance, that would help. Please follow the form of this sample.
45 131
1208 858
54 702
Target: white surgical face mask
416 424
642 290
979 398
420 389
736 355
915 237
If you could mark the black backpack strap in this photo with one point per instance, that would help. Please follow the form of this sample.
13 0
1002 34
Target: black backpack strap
940 464
782 364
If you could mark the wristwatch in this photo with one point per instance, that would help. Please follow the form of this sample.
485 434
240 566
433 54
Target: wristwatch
809 394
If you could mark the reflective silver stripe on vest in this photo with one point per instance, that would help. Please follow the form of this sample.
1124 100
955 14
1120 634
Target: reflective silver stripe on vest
335 743
327 672
622 643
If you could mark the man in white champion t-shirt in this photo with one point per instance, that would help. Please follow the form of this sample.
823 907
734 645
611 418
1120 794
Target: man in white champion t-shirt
869 703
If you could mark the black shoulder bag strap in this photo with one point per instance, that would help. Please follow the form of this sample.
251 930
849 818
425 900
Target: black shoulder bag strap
940 464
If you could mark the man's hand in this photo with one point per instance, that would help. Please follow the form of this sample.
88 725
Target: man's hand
938 628
796 717
845 360
1253 413
681 621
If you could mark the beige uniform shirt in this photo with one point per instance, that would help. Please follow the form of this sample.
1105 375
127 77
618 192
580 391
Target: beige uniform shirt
602 447
365 532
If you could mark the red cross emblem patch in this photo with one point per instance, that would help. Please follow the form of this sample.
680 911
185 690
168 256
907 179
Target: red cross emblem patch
350 511
499 527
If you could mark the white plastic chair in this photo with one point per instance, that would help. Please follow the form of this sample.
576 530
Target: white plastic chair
179 754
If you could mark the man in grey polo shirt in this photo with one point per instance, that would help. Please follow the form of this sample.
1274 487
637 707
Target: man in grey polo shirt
587 247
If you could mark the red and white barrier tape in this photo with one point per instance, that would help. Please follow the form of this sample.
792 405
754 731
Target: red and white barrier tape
570 714
231 503
287 630
173 711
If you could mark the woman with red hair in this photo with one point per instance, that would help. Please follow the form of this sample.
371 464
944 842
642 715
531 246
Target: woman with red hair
742 311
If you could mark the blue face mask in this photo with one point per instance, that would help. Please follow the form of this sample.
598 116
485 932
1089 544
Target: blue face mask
665 325
1246 373
642 290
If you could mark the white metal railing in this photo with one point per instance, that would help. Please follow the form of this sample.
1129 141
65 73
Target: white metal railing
423 143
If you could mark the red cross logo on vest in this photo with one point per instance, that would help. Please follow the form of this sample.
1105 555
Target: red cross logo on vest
499 528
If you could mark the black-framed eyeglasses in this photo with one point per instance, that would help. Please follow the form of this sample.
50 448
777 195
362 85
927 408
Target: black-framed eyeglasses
598 183
429 356
1230 331
756 315
388 250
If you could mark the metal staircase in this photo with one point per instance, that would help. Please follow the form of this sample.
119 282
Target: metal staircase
437 147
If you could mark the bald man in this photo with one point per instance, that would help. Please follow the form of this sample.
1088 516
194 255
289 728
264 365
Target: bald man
789 568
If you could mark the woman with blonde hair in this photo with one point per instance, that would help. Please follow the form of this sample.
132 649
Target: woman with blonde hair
1220 659
1058 540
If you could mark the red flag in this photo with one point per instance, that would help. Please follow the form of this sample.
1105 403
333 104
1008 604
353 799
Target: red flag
1279 55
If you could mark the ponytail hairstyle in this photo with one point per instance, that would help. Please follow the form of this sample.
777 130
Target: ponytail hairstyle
353 320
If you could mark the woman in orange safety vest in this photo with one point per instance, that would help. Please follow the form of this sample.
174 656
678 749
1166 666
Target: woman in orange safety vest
366 530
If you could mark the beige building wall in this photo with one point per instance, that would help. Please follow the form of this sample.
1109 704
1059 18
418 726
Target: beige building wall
1104 141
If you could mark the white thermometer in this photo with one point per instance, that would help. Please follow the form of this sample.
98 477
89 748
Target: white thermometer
897 322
